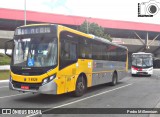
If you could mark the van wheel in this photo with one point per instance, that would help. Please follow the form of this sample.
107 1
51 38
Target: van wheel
114 79
80 87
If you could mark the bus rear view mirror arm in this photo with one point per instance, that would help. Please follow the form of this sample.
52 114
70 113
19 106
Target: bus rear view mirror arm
9 45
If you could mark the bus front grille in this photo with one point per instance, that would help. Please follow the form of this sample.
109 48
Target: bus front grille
143 73
32 86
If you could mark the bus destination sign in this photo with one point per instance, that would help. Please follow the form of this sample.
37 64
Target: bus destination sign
32 30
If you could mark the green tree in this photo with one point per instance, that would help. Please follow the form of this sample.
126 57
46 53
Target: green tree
94 29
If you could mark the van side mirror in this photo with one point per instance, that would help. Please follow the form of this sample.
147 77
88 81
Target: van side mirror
9 47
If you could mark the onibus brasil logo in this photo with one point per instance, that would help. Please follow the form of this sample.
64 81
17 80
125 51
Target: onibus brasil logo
148 9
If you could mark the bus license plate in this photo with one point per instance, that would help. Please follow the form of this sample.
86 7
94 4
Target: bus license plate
25 87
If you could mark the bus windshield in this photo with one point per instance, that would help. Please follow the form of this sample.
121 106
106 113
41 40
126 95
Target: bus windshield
142 61
35 51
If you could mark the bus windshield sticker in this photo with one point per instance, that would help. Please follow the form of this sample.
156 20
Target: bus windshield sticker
30 62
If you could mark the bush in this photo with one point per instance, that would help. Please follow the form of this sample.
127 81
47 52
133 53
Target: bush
4 60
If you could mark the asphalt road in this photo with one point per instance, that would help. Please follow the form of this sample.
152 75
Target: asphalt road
131 92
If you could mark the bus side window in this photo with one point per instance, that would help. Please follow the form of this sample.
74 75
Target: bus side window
85 48
73 53
68 52
65 50
97 50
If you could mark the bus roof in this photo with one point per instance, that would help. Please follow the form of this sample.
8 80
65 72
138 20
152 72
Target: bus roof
28 25
108 42
91 36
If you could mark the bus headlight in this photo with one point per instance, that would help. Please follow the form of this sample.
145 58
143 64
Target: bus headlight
47 80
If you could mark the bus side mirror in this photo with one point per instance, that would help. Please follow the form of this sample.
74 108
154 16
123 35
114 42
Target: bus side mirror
9 47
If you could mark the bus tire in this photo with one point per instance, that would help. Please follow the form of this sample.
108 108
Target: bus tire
80 86
114 79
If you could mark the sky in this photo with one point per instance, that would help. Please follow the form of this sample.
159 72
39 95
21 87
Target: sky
125 10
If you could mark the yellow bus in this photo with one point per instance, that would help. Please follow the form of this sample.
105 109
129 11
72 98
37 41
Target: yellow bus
54 59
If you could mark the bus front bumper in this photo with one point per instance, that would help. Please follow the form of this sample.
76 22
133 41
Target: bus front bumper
143 72
48 88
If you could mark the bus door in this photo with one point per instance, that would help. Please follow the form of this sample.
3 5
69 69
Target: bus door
68 60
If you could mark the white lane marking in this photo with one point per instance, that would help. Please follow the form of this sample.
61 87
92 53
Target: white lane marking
82 99
4 87
13 95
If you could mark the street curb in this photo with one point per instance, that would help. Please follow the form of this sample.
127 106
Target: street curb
2 81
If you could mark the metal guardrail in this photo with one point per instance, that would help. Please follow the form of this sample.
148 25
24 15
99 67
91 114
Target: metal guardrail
5 67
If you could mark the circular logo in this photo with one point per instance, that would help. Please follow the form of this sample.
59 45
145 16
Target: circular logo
152 9
24 79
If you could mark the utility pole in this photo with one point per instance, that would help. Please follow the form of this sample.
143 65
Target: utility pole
87 27
87 24
24 12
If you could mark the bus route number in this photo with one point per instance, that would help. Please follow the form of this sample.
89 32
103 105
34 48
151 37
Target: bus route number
32 79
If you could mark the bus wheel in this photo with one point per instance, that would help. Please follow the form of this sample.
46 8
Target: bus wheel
114 79
80 86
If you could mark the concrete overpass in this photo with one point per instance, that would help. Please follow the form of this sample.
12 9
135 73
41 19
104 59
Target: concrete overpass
136 36
5 36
